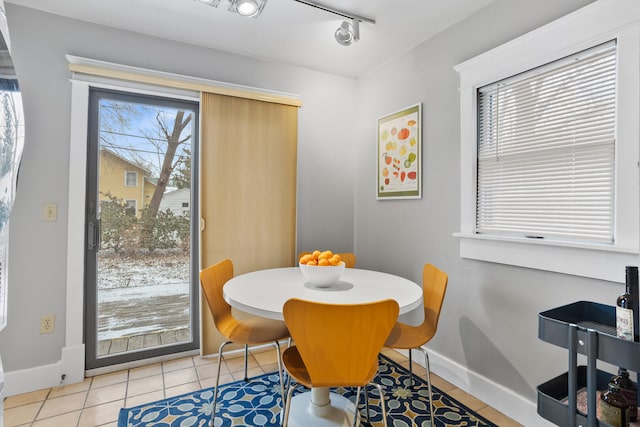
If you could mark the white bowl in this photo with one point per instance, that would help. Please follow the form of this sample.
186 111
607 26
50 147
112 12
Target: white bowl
322 276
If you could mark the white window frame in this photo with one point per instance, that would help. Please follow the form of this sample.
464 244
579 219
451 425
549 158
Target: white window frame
594 24
126 178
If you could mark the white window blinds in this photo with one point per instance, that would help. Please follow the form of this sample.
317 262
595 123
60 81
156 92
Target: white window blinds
546 150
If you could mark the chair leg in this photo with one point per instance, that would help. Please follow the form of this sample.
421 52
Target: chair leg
284 399
215 390
366 402
382 404
287 406
246 362
428 377
288 381
355 413
410 369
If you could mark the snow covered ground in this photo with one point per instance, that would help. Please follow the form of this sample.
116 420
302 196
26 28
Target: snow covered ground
142 294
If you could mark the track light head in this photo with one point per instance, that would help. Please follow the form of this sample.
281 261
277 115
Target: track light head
348 33
248 8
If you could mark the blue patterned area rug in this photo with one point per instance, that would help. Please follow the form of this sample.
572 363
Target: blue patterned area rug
257 403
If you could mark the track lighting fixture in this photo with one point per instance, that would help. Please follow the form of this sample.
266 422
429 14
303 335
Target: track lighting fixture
248 8
348 32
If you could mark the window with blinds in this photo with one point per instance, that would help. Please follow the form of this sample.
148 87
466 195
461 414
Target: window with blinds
546 151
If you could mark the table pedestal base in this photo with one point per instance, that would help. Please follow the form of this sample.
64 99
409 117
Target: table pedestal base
319 408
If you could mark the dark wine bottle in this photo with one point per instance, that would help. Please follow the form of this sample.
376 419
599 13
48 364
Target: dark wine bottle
629 390
614 408
625 307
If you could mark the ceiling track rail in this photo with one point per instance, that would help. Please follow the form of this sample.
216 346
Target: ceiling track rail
336 11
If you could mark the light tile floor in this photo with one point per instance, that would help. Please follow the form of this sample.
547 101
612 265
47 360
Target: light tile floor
97 400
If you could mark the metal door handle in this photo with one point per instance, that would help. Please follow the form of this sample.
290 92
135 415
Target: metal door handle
93 235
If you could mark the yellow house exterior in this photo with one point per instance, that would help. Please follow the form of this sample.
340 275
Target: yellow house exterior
124 180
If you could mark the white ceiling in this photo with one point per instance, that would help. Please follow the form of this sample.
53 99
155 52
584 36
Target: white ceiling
287 31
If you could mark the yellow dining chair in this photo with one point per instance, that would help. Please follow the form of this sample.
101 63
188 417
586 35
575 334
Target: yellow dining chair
348 258
405 337
255 330
336 345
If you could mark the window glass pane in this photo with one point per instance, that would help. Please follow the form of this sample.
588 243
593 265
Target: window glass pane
131 207
142 277
546 150
132 179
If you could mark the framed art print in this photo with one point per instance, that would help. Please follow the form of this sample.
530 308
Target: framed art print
399 154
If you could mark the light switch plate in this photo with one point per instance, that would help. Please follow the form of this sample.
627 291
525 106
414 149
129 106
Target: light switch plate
50 212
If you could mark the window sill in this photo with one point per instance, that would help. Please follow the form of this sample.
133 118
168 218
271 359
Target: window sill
594 261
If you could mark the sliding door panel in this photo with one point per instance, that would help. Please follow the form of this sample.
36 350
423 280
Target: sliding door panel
249 155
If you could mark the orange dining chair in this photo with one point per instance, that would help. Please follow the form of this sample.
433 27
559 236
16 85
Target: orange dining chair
348 258
405 337
254 330
336 345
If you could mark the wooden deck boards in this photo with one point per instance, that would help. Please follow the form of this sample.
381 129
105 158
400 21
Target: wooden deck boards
138 342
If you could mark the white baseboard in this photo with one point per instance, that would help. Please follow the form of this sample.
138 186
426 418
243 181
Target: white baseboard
71 366
493 394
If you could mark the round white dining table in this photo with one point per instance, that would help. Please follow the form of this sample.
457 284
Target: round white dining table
264 292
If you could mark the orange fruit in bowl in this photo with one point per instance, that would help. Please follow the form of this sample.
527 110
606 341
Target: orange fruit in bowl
335 260
321 258
306 258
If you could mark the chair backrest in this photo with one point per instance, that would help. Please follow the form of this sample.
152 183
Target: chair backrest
339 343
212 279
349 258
434 287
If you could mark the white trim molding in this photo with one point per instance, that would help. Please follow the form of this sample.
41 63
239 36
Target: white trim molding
96 68
68 370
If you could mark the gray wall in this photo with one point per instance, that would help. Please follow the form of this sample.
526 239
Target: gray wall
37 283
489 319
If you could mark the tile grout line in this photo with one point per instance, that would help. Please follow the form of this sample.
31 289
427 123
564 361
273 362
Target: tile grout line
85 401
35 417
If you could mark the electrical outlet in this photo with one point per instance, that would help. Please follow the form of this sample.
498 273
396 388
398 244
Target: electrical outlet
47 323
